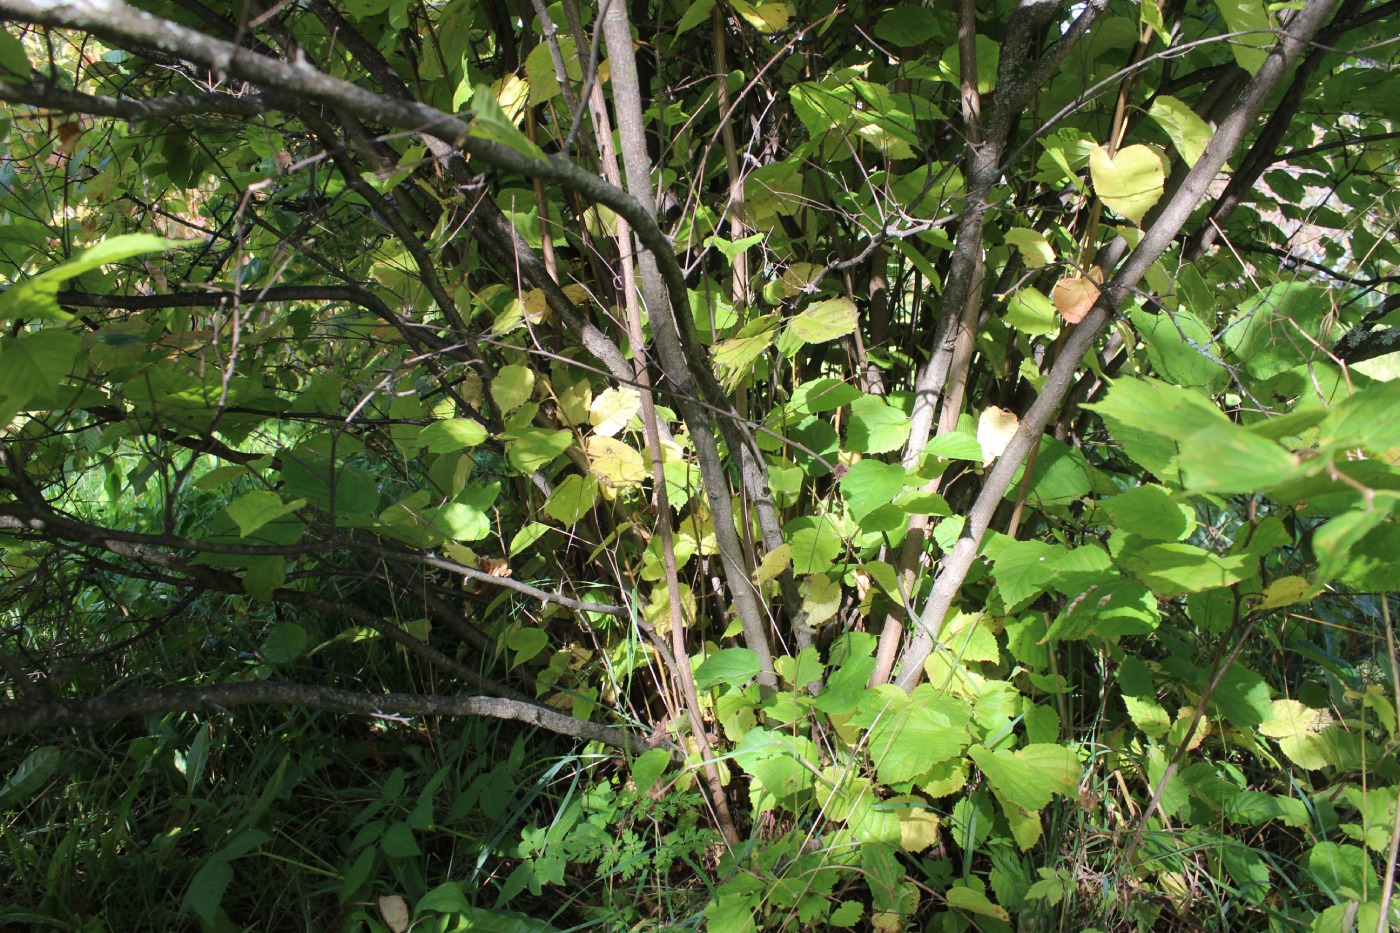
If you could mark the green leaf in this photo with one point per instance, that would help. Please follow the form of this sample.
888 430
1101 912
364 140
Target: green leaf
1024 571
31 774
284 643
819 395
264 575
206 891
823 321
1030 777
532 449
1369 419
1342 870
816 544
1129 181
975 902
648 767
954 445
869 484
1188 132
571 500
490 122
907 26
695 14
1227 458
12 55
512 386
1180 347
461 521
398 841
452 434
1034 249
36 364
1242 697
527 643
735 357
1150 512
1031 312
1251 17
1178 569
877 427
733 666
253 510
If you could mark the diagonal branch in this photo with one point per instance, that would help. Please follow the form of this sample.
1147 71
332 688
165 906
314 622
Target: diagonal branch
954 567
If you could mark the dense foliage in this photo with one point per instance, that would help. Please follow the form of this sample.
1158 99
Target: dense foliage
747 465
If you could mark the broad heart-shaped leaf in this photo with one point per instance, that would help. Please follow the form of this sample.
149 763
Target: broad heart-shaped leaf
816 543
907 26
1188 132
823 321
253 510
37 298
1242 696
735 357
614 462
649 766
1129 181
1153 420
284 643
1024 571
452 434
613 409
1343 870
1369 419
1227 458
1029 777
1150 512
1179 347
571 499
532 448
869 484
35 364
1108 608
876 426
1252 18
904 744
512 386
733 666
1178 569
819 395
1035 249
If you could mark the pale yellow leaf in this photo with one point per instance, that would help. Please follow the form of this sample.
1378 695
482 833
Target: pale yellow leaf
773 564
613 409
995 429
614 462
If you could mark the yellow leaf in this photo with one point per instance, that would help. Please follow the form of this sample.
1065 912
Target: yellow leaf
995 429
1285 591
613 409
773 564
614 462
1129 181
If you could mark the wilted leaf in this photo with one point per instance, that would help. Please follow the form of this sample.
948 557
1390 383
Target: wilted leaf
1074 295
